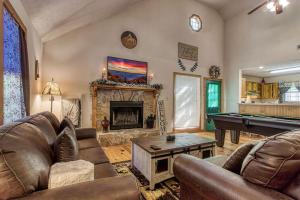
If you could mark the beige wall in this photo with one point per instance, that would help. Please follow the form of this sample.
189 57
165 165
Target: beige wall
76 58
259 39
35 51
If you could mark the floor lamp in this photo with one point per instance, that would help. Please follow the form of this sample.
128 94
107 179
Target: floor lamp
52 89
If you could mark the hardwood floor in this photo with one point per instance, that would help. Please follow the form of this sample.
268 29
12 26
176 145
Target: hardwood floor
122 153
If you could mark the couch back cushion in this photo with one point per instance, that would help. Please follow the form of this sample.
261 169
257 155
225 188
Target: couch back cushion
66 146
25 160
293 189
44 125
235 160
274 162
52 119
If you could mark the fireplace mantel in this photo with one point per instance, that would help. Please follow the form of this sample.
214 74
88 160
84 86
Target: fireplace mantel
101 93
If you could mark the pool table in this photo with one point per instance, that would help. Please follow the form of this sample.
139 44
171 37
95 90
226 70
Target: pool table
263 125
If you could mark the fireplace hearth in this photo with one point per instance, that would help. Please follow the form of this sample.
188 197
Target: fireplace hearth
126 115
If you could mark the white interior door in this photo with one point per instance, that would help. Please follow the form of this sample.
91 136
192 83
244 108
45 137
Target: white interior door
187 101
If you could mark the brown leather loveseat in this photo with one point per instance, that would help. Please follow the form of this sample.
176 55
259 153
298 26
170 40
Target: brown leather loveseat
26 155
265 170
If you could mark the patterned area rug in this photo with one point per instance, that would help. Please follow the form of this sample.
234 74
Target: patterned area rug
167 190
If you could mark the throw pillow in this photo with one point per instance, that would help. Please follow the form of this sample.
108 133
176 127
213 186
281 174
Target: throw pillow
235 160
66 146
66 122
274 162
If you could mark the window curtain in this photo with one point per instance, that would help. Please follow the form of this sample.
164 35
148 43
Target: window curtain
283 88
16 77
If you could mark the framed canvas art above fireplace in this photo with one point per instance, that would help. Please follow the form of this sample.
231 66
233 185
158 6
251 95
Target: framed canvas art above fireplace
126 71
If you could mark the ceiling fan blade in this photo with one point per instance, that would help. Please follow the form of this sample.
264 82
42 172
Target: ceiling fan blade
258 7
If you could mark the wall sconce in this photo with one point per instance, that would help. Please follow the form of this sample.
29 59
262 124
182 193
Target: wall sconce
36 70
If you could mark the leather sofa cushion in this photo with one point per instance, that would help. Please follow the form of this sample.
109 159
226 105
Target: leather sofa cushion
93 155
52 119
44 125
66 122
66 146
235 160
293 189
25 160
88 143
274 162
104 170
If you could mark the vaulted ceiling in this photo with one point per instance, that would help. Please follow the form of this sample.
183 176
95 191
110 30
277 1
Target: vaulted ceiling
53 18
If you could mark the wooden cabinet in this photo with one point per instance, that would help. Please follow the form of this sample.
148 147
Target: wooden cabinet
260 91
270 91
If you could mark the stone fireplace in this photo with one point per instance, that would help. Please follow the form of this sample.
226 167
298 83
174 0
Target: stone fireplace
126 107
126 114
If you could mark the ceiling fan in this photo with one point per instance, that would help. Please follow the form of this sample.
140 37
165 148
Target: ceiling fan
272 5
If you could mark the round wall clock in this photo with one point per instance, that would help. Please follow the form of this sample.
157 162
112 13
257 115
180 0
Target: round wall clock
214 72
129 39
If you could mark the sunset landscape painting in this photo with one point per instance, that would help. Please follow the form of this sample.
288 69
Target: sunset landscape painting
126 71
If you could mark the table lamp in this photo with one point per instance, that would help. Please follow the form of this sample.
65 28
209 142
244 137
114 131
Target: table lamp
52 89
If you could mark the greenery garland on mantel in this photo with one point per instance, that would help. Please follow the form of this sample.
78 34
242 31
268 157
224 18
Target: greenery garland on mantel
113 83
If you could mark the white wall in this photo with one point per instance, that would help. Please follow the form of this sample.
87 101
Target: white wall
77 58
259 39
35 51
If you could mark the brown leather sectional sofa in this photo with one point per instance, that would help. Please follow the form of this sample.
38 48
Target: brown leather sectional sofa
26 156
266 170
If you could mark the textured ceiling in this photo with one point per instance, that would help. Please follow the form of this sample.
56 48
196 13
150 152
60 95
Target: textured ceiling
53 18
230 8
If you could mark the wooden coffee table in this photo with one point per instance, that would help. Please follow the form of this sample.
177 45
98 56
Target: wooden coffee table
157 165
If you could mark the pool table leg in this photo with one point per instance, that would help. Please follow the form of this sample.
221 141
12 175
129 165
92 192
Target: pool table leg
235 136
220 137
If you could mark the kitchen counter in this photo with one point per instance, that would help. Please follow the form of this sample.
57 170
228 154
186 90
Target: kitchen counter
270 109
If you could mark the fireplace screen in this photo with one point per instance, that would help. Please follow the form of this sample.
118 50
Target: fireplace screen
126 115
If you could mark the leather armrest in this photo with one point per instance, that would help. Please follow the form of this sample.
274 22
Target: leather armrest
115 188
85 133
203 180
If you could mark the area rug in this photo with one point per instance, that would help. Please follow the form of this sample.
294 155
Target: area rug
167 190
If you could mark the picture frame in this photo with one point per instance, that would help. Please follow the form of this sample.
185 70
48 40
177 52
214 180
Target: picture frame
127 71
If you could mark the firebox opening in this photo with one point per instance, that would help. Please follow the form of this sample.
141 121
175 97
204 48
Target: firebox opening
126 115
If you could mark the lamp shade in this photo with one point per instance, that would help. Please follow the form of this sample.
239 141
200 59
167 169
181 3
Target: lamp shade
52 88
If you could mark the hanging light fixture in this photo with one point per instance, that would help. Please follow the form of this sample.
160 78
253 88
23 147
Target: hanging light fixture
277 5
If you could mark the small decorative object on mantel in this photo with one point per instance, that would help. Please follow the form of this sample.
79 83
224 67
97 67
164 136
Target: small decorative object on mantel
129 39
104 74
187 52
214 72
105 125
150 121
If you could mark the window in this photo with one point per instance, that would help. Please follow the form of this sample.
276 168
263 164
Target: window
292 95
195 23
15 67
187 102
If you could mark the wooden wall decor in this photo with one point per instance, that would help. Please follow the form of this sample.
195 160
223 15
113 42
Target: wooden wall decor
187 52
162 117
129 39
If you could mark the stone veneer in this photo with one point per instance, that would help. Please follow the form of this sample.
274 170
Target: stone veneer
123 136
105 96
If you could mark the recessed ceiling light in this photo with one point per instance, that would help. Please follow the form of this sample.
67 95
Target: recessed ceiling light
285 70
261 67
